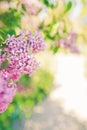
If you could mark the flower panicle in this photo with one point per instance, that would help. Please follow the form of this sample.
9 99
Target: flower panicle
20 53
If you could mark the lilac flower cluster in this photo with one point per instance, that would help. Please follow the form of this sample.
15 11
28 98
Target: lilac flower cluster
69 42
37 43
20 53
7 90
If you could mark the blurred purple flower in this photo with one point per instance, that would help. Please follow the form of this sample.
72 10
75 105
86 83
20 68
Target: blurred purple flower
69 42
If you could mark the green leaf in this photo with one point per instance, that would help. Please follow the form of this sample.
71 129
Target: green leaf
24 80
55 49
48 3
1 31
4 64
68 6
1 39
11 18
11 32
23 7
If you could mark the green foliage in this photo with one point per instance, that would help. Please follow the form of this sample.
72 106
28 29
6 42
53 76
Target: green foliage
23 7
11 20
2 35
40 85
9 116
68 6
25 80
4 64
5 31
49 30
43 80
48 3
57 24
55 49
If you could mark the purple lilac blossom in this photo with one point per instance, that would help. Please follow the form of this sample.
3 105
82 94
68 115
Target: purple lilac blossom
20 53
69 42
7 90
